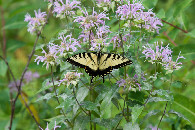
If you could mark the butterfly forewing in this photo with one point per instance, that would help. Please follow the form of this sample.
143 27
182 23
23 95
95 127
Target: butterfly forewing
113 60
84 60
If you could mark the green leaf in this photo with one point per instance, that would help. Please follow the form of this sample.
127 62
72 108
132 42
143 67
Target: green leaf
138 96
136 111
81 94
161 14
184 105
178 114
81 122
130 126
191 33
148 4
3 68
187 51
151 113
107 100
115 102
45 85
180 6
55 120
67 103
156 99
12 45
47 97
108 123
15 25
90 106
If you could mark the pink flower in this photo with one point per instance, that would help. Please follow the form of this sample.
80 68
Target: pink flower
35 23
89 21
50 57
67 43
70 78
63 10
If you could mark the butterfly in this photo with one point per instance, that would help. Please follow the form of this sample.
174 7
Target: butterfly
98 63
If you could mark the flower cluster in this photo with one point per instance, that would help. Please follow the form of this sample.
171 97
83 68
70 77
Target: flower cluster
67 43
50 57
101 3
28 77
65 9
162 55
35 23
101 37
70 78
130 83
89 21
116 40
141 19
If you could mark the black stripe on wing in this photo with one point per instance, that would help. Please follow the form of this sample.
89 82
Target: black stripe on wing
122 64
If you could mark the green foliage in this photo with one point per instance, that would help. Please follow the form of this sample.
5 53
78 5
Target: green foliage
98 105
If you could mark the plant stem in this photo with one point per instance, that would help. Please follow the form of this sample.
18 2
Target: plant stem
165 105
69 123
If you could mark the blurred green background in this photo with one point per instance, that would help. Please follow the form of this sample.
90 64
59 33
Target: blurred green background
19 44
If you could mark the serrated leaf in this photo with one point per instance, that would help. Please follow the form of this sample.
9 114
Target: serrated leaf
45 85
3 68
66 104
108 123
156 99
136 111
151 113
81 122
55 121
130 126
107 100
90 106
184 105
179 114
115 102
81 94
47 97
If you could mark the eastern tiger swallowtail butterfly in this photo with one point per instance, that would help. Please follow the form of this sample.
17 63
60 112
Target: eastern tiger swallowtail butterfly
97 63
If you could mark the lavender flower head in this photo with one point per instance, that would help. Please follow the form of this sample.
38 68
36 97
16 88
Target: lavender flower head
141 19
35 23
129 83
89 21
159 55
100 38
29 76
63 10
50 57
67 43
171 65
116 40
70 78
162 55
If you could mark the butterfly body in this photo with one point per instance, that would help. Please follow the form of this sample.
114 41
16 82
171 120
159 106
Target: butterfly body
98 64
